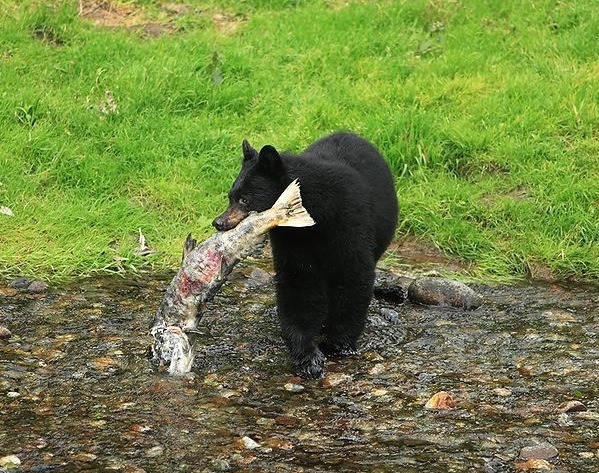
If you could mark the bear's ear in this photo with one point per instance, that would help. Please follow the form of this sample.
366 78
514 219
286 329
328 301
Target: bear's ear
248 151
270 161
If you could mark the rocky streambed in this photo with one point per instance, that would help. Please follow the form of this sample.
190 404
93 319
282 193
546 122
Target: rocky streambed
514 382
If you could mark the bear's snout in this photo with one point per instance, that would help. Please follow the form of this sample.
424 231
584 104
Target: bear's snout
221 224
229 219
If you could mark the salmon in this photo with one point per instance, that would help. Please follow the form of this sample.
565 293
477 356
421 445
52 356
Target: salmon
204 270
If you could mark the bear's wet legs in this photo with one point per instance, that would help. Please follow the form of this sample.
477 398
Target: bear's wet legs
302 307
350 296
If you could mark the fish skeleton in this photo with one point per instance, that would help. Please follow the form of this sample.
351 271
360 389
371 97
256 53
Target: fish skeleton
204 270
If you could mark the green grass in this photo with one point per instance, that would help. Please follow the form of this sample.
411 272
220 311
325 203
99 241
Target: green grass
488 113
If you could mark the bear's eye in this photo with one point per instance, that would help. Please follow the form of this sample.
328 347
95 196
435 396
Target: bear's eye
243 201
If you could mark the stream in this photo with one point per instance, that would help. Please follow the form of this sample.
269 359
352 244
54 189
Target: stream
78 392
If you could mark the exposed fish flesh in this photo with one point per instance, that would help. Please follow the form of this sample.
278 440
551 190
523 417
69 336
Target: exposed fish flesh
203 271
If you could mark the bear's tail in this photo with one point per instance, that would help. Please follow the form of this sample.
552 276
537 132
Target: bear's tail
293 212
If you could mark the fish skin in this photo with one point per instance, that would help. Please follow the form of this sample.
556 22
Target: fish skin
204 270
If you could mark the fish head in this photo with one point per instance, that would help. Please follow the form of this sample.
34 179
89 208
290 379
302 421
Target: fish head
260 182
172 349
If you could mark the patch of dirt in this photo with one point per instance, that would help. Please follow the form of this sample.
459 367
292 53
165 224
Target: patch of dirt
228 22
422 255
540 272
110 14
113 14
521 192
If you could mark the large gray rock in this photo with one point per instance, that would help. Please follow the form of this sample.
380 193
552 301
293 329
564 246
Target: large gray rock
443 292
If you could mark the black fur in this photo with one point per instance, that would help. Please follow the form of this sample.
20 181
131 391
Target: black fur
325 273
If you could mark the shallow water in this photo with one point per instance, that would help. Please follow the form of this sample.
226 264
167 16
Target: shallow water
78 393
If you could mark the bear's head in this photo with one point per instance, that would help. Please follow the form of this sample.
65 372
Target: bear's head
260 182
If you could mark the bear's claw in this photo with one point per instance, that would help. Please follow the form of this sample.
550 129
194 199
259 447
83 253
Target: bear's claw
311 366
332 350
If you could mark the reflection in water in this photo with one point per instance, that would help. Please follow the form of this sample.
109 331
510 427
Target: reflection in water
79 393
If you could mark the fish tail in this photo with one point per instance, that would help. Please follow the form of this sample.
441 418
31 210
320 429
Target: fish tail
290 203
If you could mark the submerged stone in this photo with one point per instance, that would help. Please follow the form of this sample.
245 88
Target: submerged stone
5 334
443 292
540 451
572 406
10 461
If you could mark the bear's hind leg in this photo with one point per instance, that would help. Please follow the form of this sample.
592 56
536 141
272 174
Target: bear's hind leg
302 306
350 297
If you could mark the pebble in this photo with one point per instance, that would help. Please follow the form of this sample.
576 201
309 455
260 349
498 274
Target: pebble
294 388
443 400
564 420
503 392
534 464
540 451
390 315
221 464
572 406
249 443
154 452
260 276
37 287
588 415
84 457
10 461
443 292
5 334
19 283
334 379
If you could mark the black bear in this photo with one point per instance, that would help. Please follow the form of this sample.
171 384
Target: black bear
325 273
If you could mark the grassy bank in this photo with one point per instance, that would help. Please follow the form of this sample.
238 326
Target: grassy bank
132 117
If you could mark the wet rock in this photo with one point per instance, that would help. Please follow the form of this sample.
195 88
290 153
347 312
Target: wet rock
288 421
588 415
294 388
534 464
442 400
503 392
8 292
540 451
564 420
259 276
220 464
443 292
154 452
495 466
84 457
334 379
377 369
5 334
19 283
249 443
391 287
390 315
10 461
572 406
37 287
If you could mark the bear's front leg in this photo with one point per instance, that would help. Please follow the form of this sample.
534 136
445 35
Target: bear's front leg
302 306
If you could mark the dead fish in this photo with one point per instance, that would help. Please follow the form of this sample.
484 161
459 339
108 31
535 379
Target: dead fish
203 271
